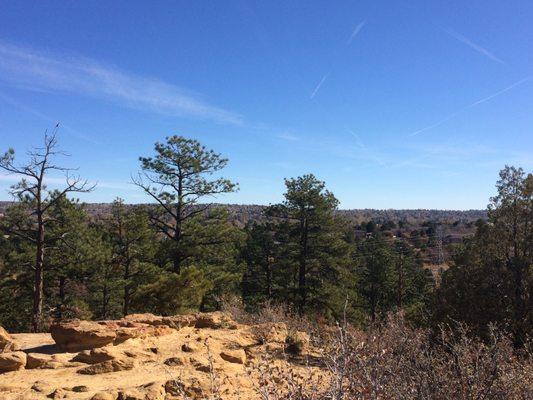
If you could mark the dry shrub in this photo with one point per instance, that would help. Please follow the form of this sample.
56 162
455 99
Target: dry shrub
268 313
393 360
277 381
397 361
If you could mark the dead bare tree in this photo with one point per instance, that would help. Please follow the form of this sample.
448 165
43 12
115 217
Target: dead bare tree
32 191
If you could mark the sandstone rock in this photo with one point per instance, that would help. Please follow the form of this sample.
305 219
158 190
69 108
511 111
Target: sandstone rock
190 347
12 361
102 354
234 356
200 364
40 387
175 387
141 331
194 388
81 335
180 321
215 320
80 389
6 342
174 361
146 318
104 396
175 322
46 361
37 360
58 394
107 366
149 391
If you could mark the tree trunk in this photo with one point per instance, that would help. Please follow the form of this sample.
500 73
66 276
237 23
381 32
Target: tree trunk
399 297
38 279
302 271
177 264
104 302
269 279
179 220
127 293
62 283
520 312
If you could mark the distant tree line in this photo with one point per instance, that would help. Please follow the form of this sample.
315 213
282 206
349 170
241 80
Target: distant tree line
182 253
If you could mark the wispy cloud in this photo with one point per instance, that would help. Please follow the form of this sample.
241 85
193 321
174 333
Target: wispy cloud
288 136
317 88
475 103
474 46
34 70
356 31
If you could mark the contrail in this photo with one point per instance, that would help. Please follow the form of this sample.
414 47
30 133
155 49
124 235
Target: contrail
317 88
472 45
356 31
500 92
475 103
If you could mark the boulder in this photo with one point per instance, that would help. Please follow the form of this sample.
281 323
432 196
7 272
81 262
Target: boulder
234 356
104 396
6 342
140 331
175 322
12 361
174 361
80 389
75 336
58 394
102 354
215 320
46 361
108 366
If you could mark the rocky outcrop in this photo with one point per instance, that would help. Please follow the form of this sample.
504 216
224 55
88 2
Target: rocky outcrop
12 361
174 322
234 356
108 366
48 361
6 342
74 336
146 357
215 320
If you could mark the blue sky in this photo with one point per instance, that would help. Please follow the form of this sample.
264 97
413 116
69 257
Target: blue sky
394 104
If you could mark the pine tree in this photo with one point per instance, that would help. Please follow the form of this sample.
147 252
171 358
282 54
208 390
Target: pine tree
38 200
177 178
133 245
313 250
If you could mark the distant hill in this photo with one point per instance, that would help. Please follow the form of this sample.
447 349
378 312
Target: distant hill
242 213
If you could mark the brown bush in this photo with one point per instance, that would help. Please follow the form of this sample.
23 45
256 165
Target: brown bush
393 360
